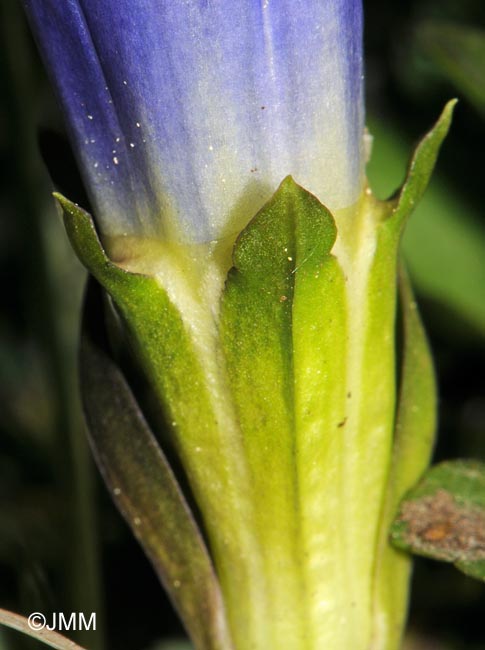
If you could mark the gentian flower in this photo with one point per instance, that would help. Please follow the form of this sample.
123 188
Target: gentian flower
186 115
255 278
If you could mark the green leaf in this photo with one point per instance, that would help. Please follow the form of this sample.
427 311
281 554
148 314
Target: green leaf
443 517
146 491
458 51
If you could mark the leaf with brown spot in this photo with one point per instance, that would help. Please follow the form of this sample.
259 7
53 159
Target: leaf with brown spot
443 517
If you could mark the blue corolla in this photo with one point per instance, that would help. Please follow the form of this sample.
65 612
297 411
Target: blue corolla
185 115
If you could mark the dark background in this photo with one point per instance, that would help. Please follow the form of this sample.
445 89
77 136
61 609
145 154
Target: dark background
63 547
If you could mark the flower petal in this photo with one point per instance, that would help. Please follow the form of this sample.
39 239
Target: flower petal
199 108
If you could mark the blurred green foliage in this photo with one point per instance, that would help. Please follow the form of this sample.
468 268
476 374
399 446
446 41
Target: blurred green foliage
458 53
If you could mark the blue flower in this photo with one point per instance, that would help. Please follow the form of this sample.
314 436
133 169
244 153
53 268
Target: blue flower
185 115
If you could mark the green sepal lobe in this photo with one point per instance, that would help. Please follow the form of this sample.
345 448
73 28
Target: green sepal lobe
145 489
414 432
421 167
277 321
